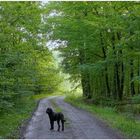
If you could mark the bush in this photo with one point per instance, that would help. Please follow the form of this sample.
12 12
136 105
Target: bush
104 101
136 99
136 108
5 106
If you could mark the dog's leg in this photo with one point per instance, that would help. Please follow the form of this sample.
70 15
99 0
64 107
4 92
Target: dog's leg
62 121
52 125
58 122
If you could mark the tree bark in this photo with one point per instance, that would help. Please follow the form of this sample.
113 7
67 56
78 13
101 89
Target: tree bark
121 88
132 85
138 74
106 70
117 83
85 77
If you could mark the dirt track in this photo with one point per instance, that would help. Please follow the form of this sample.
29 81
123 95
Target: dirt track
80 124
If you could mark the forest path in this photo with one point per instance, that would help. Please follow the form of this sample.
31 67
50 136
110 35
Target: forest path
79 124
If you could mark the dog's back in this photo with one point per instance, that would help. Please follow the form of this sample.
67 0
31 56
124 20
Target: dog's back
59 116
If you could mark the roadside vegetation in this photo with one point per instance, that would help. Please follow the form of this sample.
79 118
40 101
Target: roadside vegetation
125 123
96 44
11 120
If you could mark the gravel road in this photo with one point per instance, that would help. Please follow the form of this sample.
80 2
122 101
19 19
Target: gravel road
79 124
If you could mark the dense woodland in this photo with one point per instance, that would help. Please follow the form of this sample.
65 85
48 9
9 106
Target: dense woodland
100 46
27 67
89 47
98 41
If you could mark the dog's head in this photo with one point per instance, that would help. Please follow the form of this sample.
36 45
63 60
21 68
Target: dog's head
49 110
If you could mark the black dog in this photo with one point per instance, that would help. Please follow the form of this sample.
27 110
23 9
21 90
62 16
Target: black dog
55 117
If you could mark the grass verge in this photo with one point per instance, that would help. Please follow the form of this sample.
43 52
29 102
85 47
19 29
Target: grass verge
11 121
55 106
128 126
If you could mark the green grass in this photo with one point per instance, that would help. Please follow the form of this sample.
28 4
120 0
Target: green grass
10 121
128 126
43 95
55 106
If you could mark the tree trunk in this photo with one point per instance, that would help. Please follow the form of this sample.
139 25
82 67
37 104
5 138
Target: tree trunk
132 85
118 84
85 77
138 74
122 69
122 81
114 85
106 70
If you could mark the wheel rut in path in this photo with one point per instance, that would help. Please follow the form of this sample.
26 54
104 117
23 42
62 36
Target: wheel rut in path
79 124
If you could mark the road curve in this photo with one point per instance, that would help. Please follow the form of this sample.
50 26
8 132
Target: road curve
80 124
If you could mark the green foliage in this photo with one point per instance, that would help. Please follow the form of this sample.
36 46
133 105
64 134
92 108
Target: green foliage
132 107
126 124
27 66
97 41
136 99
10 122
99 45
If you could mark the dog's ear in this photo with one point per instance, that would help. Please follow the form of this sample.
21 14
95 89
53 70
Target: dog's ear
47 110
50 109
